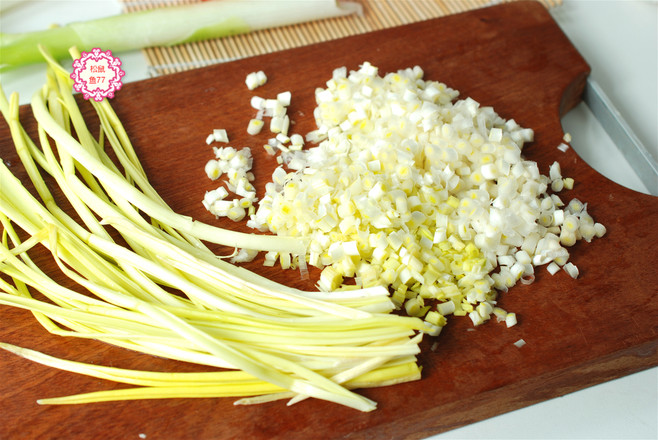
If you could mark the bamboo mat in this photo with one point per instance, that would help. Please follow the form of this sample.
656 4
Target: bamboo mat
377 14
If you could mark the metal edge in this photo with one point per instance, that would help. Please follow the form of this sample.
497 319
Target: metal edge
622 135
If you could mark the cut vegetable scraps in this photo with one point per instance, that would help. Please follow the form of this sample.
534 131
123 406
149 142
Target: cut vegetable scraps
429 196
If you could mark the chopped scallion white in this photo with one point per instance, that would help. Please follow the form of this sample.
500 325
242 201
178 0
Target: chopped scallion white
444 179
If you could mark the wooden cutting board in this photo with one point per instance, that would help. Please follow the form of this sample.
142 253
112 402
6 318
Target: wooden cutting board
578 332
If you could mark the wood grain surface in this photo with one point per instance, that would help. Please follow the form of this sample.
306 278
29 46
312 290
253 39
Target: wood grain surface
578 332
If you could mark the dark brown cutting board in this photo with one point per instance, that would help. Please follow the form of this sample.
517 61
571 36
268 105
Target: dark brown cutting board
578 332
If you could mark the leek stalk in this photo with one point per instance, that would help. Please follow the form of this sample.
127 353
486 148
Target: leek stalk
166 26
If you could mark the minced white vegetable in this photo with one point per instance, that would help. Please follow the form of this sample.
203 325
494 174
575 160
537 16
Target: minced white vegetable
510 319
236 165
571 269
563 147
409 188
415 190
255 79
255 126
553 268
276 110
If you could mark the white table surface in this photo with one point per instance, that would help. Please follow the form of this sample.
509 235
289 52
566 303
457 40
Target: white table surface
619 39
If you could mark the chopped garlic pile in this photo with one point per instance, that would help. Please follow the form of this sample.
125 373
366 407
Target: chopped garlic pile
430 196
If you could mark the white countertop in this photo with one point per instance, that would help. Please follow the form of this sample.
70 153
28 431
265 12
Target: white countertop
619 39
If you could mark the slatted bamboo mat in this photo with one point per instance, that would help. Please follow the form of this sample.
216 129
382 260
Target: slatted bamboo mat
377 14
